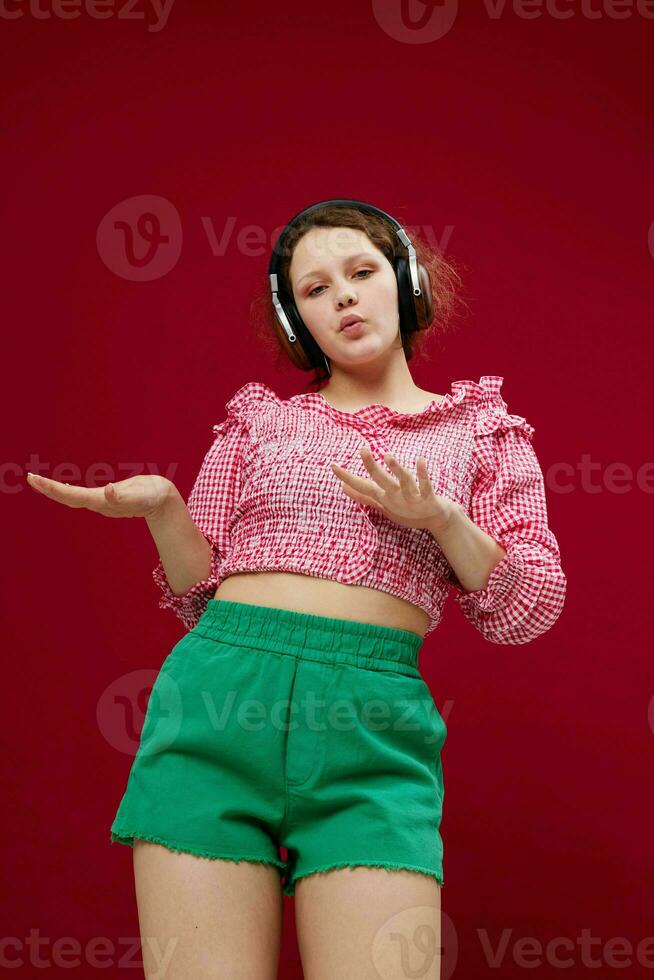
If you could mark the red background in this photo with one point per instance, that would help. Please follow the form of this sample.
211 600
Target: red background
528 143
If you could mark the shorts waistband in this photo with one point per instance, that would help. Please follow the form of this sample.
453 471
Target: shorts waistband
311 637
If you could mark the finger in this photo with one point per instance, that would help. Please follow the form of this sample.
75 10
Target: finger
361 498
407 483
380 477
44 484
356 482
424 482
63 493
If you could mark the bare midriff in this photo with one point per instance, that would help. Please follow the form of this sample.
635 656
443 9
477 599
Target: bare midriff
323 597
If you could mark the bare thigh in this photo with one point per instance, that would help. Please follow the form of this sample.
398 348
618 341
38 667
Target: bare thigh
205 919
368 923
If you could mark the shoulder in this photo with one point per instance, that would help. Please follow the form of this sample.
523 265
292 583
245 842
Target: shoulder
251 398
493 416
501 438
245 403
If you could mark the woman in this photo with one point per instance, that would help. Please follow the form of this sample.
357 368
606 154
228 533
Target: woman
321 538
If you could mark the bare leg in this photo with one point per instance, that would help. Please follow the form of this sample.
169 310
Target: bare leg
368 923
205 919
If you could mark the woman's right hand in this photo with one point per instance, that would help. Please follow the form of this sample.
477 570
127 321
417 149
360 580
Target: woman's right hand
138 496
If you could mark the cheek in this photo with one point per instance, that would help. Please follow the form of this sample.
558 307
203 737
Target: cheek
388 295
315 318
381 299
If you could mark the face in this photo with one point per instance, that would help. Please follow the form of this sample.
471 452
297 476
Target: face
335 272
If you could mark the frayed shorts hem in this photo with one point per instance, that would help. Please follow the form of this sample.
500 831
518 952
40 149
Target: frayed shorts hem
289 887
127 838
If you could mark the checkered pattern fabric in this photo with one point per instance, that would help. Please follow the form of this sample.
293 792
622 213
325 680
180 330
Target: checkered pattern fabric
266 499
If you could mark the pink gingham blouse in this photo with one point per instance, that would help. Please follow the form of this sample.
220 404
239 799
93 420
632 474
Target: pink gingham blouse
266 499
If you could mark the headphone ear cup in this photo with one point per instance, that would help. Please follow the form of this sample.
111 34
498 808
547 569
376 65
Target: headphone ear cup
304 351
416 312
425 302
294 349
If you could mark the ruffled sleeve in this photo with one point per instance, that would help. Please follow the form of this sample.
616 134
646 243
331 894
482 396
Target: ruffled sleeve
526 591
213 499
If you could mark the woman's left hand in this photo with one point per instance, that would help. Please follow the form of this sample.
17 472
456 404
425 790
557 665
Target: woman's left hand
401 500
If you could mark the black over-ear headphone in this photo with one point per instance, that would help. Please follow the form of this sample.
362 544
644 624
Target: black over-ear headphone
415 300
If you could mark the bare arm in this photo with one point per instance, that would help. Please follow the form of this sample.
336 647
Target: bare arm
184 551
471 553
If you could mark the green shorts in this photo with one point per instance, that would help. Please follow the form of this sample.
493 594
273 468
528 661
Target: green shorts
271 731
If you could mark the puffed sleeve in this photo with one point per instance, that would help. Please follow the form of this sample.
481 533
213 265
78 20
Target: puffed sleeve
526 591
213 499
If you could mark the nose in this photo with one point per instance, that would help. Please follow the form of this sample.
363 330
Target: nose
347 297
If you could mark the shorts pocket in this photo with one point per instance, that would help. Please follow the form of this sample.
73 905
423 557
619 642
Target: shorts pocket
163 715
434 729
403 714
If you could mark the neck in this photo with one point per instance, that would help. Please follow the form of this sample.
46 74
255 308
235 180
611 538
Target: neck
386 385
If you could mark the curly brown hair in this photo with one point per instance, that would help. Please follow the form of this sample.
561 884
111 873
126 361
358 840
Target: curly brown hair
443 275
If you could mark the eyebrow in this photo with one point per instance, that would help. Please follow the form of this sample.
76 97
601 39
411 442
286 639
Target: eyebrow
350 258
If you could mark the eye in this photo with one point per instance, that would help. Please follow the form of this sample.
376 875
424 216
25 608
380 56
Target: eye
313 291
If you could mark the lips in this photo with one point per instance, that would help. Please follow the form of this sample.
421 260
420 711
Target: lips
348 320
